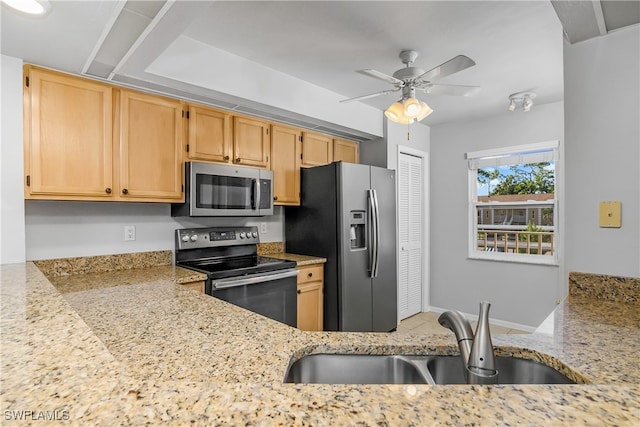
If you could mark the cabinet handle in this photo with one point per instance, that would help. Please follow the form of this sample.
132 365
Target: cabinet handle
226 158
125 191
107 190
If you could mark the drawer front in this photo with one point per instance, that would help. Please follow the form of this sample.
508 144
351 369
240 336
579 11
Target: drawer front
310 273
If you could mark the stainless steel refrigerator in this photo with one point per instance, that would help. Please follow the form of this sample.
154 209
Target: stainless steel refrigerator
348 216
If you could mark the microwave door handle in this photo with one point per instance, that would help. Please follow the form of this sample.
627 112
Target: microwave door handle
256 195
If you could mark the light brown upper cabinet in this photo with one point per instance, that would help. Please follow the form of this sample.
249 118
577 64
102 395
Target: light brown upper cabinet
251 142
150 133
209 135
317 149
285 164
68 137
345 150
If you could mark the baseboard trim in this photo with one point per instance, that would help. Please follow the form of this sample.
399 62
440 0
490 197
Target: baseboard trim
473 317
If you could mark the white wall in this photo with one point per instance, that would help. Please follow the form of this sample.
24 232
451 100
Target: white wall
384 151
602 118
416 135
522 294
12 225
68 229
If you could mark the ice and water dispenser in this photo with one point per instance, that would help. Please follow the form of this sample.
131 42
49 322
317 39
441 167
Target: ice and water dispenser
357 229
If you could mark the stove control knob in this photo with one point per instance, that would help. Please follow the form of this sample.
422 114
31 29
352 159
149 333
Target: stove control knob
242 235
194 237
255 234
185 238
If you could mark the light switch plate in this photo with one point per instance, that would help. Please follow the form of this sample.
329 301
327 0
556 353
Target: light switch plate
610 214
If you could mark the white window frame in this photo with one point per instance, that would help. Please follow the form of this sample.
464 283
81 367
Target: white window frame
473 160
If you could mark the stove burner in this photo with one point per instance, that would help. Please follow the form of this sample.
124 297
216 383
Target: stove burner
217 268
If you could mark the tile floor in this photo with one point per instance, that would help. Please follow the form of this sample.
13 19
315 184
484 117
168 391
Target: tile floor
427 323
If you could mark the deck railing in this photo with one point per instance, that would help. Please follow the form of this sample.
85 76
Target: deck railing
523 242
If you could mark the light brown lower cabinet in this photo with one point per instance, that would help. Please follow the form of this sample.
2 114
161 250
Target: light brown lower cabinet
196 286
310 296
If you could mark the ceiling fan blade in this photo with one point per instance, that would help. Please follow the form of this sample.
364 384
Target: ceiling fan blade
371 95
382 76
453 65
456 90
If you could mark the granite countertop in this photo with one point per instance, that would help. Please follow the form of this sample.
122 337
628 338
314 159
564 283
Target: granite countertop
302 260
134 348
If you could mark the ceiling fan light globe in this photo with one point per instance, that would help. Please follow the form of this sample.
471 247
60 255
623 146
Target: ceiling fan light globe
412 108
395 112
29 7
424 111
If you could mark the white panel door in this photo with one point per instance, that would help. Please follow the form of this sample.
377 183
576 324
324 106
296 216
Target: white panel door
410 215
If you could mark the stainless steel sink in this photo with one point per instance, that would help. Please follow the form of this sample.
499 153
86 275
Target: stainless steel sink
411 369
354 369
511 370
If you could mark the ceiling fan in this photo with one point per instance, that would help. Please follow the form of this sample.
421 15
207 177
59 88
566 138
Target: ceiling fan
410 79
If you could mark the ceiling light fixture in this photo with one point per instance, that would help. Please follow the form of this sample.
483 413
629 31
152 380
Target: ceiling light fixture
408 109
29 7
525 99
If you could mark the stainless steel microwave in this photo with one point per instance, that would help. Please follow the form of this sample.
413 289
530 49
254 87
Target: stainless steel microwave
222 190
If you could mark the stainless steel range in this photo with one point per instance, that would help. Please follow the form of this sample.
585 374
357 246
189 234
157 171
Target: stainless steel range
235 272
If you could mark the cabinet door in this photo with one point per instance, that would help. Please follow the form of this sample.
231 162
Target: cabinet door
285 164
151 132
209 135
310 296
317 149
251 142
68 135
345 150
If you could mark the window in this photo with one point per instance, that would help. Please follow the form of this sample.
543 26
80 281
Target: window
513 203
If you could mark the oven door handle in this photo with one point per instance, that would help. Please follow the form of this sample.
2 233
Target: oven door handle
252 280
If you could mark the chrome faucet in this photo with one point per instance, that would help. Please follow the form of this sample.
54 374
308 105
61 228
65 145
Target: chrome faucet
476 349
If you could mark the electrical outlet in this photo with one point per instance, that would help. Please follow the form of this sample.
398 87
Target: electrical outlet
129 232
263 227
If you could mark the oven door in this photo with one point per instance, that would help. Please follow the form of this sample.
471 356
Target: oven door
271 294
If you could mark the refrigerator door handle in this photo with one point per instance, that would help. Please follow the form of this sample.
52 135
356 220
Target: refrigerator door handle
372 231
377 233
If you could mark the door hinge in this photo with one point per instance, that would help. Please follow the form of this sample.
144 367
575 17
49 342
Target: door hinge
187 148
28 180
187 114
27 78
267 131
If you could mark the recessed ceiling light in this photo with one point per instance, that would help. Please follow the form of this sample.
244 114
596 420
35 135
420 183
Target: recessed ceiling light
29 7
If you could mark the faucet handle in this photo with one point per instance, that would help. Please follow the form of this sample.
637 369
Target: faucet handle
481 359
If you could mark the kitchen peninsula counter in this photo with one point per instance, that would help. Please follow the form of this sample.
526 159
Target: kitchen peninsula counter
135 348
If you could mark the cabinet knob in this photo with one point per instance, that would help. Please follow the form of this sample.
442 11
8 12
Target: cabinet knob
107 190
237 159
309 274
125 191
299 291
275 198
226 158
